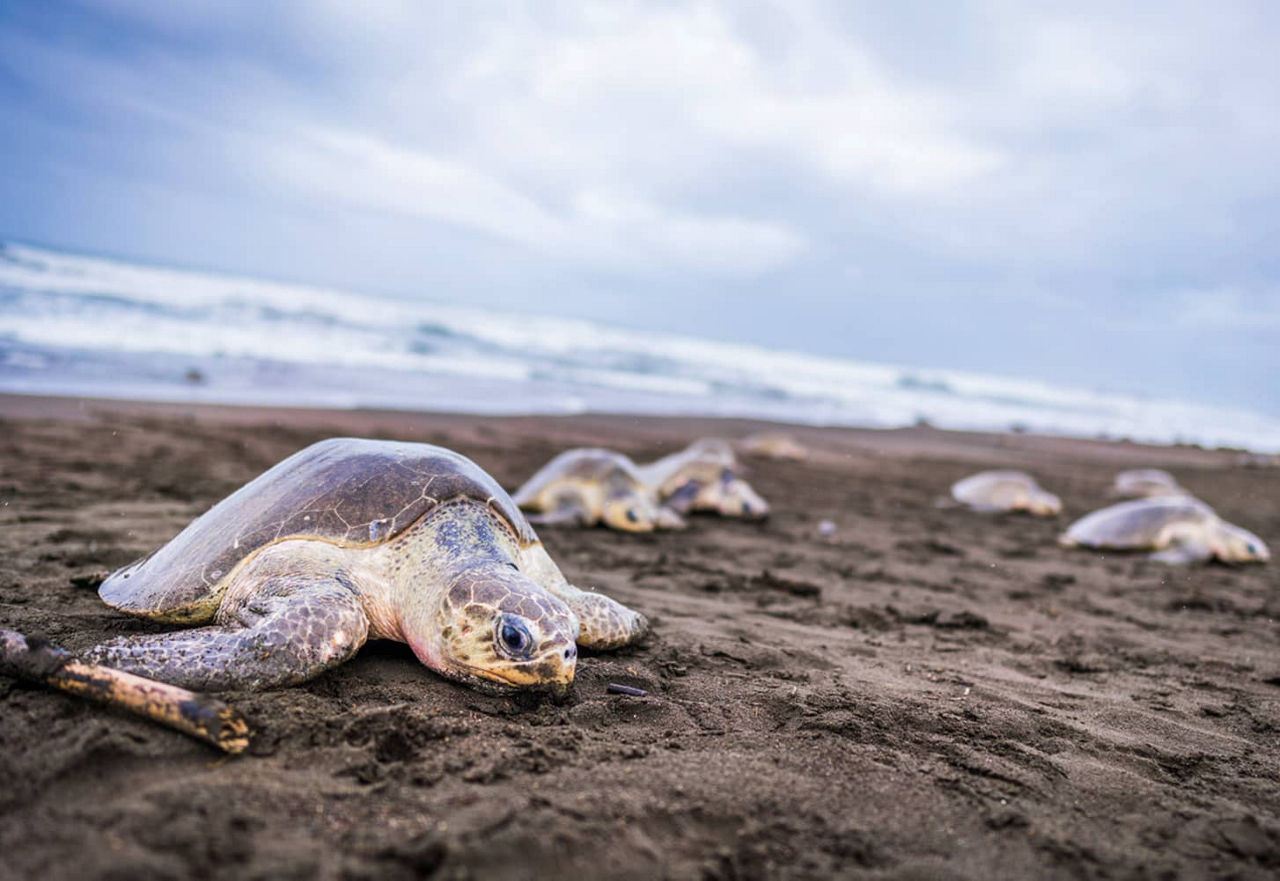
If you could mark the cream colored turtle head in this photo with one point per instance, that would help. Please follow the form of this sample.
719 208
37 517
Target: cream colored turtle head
496 629
1044 504
1236 545
630 512
728 496
736 498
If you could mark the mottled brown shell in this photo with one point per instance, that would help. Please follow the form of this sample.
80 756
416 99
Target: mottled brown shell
346 491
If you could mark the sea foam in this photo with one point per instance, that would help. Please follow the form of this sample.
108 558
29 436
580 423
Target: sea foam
72 324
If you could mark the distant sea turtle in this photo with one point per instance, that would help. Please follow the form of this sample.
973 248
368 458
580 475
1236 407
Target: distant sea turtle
1005 491
775 445
1179 528
353 539
704 476
588 486
1146 483
1258 460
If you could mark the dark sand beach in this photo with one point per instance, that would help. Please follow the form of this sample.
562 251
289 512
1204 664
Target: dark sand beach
925 693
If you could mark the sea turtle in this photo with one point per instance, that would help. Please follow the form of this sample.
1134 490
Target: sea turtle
1179 528
588 486
1145 483
704 476
1257 460
353 539
1005 491
775 445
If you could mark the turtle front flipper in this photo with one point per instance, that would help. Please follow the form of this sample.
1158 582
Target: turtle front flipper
605 623
287 631
681 501
568 506
1185 543
668 519
569 515
1184 552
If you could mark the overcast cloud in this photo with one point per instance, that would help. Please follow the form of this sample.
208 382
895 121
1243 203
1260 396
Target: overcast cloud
1072 192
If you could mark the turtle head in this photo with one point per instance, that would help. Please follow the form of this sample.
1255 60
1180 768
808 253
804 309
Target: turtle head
496 629
1236 545
726 494
737 498
630 512
1044 504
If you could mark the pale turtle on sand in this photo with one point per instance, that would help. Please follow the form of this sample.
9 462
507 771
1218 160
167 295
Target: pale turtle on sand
1248 459
1179 529
354 539
704 476
590 486
1146 483
775 445
1005 491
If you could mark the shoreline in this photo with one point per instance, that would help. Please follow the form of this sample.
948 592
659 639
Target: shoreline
837 439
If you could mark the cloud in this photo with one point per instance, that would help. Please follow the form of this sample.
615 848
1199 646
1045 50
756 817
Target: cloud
624 84
1031 172
1039 139
596 229
1231 310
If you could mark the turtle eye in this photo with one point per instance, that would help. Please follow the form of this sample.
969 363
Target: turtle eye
514 637
632 516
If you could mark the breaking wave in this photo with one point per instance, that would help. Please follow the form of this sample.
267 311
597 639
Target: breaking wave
72 324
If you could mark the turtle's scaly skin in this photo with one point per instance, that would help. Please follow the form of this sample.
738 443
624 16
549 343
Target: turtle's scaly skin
1180 528
1005 491
467 584
589 486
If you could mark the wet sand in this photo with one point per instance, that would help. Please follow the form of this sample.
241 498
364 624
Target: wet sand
926 693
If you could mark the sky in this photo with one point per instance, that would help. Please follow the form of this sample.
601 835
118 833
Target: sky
1080 193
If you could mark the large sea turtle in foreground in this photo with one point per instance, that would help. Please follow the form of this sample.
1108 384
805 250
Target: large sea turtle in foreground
1180 529
590 486
354 539
704 476
1005 491
1144 483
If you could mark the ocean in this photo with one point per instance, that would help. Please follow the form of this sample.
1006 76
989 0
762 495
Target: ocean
86 326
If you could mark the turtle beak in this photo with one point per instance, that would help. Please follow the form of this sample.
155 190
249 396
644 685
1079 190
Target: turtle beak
559 668
559 692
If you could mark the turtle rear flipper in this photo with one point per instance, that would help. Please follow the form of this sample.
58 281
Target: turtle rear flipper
299 630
